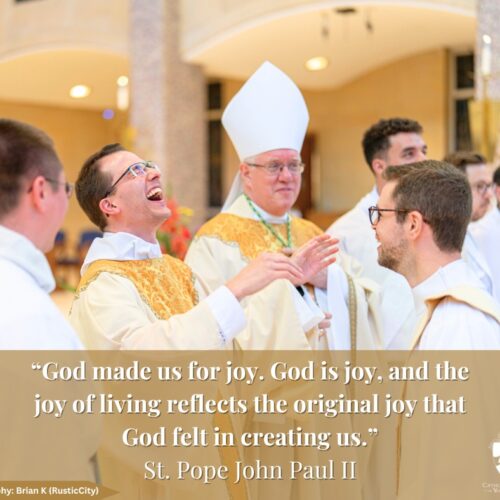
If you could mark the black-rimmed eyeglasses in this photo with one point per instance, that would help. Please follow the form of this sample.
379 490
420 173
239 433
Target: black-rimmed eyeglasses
375 213
482 188
135 170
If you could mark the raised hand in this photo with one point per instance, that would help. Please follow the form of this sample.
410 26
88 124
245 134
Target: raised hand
263 270
314 257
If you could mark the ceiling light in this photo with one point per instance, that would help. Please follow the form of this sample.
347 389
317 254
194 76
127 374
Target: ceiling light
317 63
122 81
79 91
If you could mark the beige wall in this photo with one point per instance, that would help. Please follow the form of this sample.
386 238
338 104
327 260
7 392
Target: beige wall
415 87
76 134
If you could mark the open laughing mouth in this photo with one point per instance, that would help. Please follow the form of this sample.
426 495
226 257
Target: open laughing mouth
155 194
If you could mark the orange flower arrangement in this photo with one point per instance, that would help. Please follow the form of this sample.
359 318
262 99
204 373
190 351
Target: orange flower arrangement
174 235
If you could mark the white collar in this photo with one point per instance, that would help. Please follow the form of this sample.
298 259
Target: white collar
454 274
120 246
369 200
242 208
19 250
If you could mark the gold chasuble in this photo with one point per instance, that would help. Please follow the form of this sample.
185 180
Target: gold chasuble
166 284
253 237
221 248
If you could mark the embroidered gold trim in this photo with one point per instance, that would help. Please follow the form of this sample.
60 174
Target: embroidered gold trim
252 237
165 284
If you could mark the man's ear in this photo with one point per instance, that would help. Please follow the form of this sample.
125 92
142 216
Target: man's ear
38 192
245 173
378 166
414 224
107 207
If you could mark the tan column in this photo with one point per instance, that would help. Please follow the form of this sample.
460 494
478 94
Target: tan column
168 102
487 75
488 23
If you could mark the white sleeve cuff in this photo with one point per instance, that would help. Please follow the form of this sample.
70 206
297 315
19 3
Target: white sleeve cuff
308 312
337 300
227 312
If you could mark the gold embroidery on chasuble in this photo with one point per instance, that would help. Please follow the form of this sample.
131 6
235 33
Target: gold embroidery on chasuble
252 237
165 284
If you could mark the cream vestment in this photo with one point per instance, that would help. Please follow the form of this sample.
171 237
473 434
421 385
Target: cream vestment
29 319
225 244
486 234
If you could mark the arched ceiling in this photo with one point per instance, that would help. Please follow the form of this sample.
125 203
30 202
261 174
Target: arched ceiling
351 47
86 42
46 78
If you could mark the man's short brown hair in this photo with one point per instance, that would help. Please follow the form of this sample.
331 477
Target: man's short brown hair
462 159
93 184
25 153
496 176
440 193
376 140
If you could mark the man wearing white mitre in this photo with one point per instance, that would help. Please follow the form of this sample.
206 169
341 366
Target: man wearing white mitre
267 121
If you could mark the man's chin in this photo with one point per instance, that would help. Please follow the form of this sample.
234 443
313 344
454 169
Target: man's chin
387 262
164 214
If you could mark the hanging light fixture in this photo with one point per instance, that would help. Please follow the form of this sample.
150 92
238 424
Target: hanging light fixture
318 63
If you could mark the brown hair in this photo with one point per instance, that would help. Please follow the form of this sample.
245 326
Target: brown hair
440 193
376 140
496 176
25 153
462 159
93 184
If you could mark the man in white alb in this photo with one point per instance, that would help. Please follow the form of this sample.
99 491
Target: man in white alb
486 233
33 202
393 141
478 173
420 223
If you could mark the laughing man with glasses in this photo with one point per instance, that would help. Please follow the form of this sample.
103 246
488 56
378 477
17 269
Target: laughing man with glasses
130 296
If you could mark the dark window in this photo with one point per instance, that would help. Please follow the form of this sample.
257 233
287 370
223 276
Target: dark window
214 96
215 163
463 141
465 71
